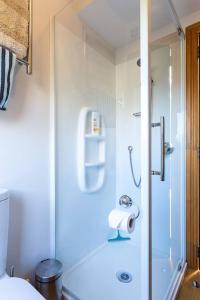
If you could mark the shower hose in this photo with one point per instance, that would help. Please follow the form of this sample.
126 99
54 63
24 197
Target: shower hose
137 184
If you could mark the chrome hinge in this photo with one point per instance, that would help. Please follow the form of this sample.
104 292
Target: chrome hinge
12 271
156 124
180 267
155 173
198 251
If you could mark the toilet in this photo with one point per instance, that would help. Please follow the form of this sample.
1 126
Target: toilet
11 288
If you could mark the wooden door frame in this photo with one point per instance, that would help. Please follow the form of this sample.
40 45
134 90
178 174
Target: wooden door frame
192 143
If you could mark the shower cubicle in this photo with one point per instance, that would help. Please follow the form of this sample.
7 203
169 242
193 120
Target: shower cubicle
119 149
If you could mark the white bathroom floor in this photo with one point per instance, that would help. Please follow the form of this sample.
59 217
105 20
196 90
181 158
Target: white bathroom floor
95 277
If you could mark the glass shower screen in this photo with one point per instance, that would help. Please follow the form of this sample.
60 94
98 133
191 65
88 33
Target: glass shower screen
167 160
97 87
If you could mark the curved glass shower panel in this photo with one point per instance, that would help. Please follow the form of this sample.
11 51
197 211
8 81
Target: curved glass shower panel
167 158
97 92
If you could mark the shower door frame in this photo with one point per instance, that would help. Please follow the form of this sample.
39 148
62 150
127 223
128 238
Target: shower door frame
146 223
146 173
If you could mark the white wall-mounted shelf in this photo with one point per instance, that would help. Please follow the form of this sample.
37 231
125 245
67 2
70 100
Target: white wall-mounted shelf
93 165
91 152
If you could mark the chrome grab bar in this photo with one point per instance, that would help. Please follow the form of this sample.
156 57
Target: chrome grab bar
161 173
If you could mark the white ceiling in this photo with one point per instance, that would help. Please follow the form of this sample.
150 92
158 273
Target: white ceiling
117 21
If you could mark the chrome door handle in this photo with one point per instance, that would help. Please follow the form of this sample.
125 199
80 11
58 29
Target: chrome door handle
161 173
162 145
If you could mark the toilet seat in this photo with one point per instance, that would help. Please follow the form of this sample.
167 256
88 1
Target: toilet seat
18 289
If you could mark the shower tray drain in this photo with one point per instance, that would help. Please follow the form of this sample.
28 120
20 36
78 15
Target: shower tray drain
124 277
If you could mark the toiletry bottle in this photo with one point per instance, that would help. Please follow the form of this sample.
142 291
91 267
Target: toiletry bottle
95 123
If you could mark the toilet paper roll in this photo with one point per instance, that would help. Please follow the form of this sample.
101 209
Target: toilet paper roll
122 220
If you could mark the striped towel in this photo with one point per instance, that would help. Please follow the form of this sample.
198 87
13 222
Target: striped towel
7 66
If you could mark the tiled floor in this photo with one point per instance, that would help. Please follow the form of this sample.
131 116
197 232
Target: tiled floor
187 291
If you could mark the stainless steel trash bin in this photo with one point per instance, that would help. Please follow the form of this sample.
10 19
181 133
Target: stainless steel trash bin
48 279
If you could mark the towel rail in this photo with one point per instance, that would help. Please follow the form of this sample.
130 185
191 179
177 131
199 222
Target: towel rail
22 61
28 62
30 41
19 60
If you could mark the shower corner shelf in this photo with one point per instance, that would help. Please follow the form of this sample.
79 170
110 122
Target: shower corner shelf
91 150
94 165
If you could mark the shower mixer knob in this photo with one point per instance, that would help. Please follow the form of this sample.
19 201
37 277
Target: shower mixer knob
125 201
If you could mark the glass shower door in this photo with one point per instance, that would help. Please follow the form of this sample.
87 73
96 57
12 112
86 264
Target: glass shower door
167 166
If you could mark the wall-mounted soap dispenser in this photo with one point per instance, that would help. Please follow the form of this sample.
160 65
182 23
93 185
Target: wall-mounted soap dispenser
91 148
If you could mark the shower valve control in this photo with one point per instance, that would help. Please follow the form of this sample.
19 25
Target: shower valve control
125 201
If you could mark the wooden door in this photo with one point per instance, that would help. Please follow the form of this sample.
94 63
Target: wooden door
192 144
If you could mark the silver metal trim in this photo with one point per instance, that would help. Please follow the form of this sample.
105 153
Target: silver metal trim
195 284
155 125
12 271
22 61
161 173
162 140
155 173
30 39
19 60
169 149
176 19
124 276
137 114
125 201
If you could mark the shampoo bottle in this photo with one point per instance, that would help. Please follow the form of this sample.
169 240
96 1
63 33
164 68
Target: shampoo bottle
95 123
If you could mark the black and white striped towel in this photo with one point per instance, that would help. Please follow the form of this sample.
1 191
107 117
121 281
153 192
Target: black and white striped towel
7 66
